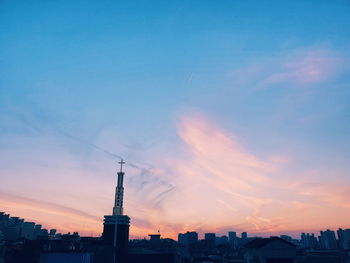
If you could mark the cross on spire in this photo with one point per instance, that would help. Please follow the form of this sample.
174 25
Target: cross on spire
121 162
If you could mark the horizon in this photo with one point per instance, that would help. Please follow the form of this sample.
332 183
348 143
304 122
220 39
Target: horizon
294 234
231 116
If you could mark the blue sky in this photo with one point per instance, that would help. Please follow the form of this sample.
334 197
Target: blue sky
136 78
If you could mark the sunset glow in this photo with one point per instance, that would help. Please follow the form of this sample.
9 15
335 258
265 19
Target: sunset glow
226 123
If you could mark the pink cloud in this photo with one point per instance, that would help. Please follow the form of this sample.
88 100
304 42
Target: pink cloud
306 68
222 176
280 159
219 184
326 193
299 68
210 180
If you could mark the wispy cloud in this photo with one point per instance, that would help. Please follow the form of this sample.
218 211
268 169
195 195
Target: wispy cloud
298 68
308 67
327 193
219 169
210 181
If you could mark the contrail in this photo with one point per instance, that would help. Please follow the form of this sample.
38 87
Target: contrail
75 138
141 169
148 172
90 144
96 147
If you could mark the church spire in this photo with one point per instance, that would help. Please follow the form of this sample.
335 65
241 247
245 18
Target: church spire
119 192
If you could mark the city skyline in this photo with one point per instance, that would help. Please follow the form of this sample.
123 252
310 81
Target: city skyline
227 120
38 231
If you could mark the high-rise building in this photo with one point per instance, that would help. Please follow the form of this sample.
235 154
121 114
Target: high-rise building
116 226
346 243
232 239
4 221
328 240
181 238
340 233
37 231
188 238
28 230
210 240
221 241
209 236
4 217
13 228
52 233
154 240
244 235
44 234
232 236
308 241
343 238
192 237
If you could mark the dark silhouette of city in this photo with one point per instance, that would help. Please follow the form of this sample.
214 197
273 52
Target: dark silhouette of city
233 117
22 241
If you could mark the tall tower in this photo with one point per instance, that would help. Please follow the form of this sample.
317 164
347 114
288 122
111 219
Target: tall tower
119 192
116 226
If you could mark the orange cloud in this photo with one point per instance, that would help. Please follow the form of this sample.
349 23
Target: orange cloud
227 185
210 181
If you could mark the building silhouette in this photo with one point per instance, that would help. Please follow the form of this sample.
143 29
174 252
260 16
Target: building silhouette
22 241
188 238
308 241
52 247
328 240
116 226
232 239
269 250
28 230
210 240
343 239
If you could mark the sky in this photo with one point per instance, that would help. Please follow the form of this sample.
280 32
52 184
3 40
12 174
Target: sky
230 115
